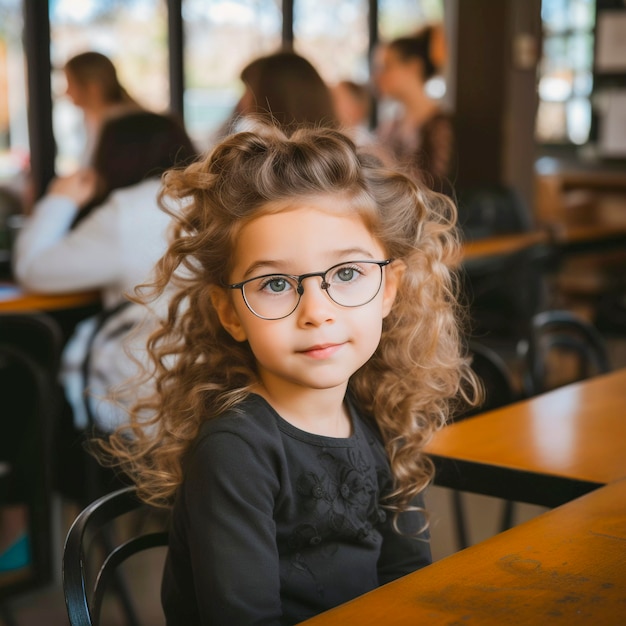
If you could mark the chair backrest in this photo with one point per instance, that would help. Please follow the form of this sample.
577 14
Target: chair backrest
30 348
505 291
37 334
565 334
492 210
496 379
83 594
26 435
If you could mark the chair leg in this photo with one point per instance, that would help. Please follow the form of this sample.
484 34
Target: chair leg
459 520
507 515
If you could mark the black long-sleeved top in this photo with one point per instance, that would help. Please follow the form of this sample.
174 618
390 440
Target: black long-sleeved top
273 525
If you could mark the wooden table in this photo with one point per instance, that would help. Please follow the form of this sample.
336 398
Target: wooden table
567 566
502 244
13 299
546 450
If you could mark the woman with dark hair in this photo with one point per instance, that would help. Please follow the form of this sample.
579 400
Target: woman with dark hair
422 137
135 146
286 90
102 228
94 87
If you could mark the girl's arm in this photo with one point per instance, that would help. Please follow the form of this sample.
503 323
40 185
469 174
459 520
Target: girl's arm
50 258
227 503
402 554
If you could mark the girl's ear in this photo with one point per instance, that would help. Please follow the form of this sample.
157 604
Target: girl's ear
393 276
229 317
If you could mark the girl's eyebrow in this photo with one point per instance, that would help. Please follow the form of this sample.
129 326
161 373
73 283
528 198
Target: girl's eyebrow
270 265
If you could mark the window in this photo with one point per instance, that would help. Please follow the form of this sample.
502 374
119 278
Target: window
14 146
334 36
397 18
132 33
566 72
221 38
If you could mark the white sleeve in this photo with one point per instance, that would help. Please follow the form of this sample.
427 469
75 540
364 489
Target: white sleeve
51 258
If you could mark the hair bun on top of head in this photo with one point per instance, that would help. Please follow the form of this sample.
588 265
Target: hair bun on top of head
312 156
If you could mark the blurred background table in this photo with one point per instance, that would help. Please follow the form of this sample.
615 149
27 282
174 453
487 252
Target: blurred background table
13 299
502 244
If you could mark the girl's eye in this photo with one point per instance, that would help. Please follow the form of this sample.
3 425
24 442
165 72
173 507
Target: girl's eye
346 274
276 284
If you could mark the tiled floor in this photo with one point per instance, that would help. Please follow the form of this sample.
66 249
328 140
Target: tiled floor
46 607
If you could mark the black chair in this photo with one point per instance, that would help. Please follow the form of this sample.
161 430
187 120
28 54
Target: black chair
29 355
86 580
499 390
610 317
36 333
489 210
505 291
565 334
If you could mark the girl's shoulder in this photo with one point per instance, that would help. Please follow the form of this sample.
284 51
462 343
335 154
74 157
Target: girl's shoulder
252 419
244 438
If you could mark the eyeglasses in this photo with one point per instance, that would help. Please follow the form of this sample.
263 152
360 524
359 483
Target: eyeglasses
349 284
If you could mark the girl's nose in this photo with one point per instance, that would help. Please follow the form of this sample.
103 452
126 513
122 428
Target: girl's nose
315 306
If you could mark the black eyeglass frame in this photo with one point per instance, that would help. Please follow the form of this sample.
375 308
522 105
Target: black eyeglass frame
300 287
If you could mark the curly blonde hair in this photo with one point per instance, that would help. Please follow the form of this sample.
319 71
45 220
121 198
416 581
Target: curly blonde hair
418 371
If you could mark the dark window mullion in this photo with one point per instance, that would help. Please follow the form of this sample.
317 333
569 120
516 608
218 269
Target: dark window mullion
176 51
37 52
372 21
287 37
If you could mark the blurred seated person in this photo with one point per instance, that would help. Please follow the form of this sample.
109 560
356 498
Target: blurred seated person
352 107
421 136
93 86
10 210
102 228
285 89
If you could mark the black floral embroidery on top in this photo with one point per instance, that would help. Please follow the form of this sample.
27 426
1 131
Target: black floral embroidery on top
338 503
341 500
311 487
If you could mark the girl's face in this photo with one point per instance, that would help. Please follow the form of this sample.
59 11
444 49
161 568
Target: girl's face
321 344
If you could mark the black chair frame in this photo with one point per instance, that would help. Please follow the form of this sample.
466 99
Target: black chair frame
30 347
563 330
84 601
499 391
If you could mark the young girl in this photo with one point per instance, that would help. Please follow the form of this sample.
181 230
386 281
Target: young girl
310 353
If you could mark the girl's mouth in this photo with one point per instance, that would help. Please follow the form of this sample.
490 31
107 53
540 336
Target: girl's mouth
322 351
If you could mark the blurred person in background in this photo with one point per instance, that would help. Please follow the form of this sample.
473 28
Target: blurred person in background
353 103
94 87
285 89
421 137
102 228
